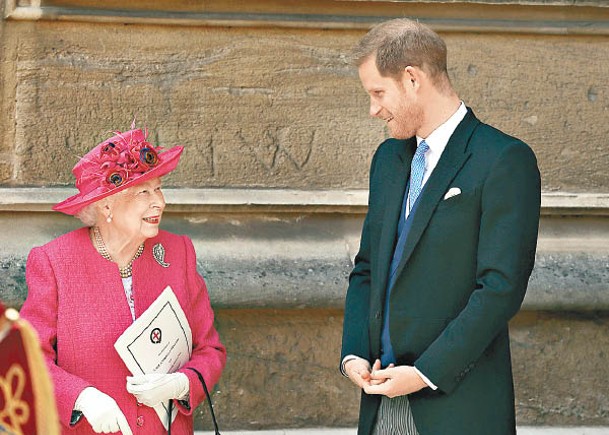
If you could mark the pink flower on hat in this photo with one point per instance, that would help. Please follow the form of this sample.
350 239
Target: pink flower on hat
149 156
113 174
109 151
123 159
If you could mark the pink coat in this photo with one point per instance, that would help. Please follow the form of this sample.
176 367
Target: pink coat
77 304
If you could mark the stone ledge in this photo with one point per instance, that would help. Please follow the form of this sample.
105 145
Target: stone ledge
560 282
262 248
586 17
41 199
562 203
354 201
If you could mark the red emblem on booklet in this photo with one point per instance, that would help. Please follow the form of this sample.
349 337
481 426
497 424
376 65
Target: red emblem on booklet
155 336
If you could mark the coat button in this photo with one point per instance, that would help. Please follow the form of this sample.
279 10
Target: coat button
140 420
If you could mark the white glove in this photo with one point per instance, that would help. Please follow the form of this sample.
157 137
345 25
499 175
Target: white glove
102 412
155 388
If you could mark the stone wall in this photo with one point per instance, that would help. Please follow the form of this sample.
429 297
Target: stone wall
273 107
272 183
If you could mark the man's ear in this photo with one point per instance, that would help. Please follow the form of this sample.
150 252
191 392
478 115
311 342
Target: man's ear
412 76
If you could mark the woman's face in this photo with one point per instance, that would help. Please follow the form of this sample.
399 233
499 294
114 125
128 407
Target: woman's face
136 212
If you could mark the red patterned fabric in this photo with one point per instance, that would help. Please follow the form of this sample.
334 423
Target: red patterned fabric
77 304
27 405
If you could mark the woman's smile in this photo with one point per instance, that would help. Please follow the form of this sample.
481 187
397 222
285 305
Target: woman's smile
152 219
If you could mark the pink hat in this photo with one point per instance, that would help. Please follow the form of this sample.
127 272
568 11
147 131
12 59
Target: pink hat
117 163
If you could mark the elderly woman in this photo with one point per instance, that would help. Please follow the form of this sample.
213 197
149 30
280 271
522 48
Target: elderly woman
86 287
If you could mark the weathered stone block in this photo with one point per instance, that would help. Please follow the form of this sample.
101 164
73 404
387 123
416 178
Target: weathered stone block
6 172
560 364
282 370
253 107
283 108
518 84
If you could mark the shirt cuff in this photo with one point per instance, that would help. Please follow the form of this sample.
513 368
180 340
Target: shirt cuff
425 379
345 360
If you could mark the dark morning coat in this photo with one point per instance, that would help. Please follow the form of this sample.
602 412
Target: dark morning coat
463 275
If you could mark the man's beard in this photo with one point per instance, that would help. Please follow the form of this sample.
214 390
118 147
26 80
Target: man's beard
406 122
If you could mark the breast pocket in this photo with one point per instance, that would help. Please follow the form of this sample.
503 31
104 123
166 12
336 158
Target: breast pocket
465 198
456 220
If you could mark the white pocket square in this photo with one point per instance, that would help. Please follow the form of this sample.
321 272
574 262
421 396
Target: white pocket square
453 191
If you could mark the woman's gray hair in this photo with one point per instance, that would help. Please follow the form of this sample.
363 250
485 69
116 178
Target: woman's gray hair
89 214
399 43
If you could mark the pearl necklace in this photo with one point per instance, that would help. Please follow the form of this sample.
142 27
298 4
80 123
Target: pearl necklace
101 248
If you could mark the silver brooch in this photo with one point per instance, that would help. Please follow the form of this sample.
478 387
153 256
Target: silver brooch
158 252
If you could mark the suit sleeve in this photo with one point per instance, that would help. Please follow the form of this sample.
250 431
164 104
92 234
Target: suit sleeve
208 353
357 304
41 309
509 221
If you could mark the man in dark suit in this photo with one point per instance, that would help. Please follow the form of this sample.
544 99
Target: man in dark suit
446 251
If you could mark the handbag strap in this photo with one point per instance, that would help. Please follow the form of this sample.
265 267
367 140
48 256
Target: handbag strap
211 406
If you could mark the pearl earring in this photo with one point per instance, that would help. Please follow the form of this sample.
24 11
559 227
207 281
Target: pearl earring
109 218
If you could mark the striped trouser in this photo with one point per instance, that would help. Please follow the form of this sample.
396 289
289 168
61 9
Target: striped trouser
394 417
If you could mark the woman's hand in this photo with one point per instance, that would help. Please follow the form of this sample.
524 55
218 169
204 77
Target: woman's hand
102 412
154 388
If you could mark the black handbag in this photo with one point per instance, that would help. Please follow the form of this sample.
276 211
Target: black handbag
211 406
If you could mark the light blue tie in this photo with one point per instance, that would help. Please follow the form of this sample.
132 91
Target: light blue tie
417 171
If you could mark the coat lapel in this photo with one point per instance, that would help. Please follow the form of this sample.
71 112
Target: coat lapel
453 158
396 174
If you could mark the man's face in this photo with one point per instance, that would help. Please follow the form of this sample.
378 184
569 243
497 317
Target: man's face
392 100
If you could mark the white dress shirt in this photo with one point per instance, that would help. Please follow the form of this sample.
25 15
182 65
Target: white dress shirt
437 141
